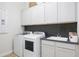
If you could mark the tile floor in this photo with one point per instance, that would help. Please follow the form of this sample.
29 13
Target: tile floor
11 55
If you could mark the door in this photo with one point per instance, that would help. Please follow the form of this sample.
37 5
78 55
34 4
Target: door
38 14
66 12
51 12
27 17
47 51
62 52
29 45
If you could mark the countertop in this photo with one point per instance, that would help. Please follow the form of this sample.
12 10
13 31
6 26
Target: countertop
61 41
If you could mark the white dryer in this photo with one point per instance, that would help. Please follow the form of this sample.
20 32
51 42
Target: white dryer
32 44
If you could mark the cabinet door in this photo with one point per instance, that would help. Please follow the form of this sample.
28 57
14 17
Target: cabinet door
61 52
47 51
51 12
66 12
27 17
38 14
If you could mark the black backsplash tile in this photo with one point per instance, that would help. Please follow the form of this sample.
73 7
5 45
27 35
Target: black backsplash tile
54 29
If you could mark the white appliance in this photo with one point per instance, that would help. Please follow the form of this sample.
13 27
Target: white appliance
32 44
19 44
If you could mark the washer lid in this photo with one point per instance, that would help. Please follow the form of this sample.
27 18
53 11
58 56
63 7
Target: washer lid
33 36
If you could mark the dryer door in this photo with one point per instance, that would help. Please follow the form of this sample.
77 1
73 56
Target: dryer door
29 45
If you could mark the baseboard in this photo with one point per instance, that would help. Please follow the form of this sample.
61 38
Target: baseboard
6 53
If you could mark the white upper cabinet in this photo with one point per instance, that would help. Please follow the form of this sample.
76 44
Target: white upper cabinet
51 12
38 14
34 15
27 17
66 12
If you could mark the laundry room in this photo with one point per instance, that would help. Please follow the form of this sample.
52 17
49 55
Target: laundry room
39 29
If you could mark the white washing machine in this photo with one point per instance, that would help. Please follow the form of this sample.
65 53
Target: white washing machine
19 44
32 44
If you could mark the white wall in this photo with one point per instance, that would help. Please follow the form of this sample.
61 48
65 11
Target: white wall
13 18
78 18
